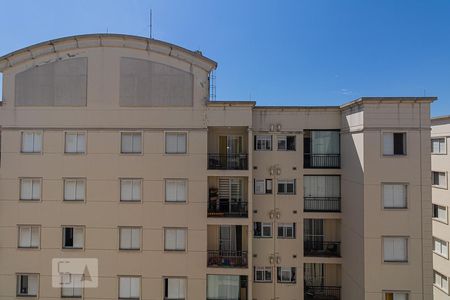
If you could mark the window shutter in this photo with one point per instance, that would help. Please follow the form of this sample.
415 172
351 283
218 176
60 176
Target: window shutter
399 195
71 142
27 142
35 236
127 143
32 284
78 237
126 190
125 238
136 189
81 142
26 189
124 287
25 236
388 195
80 191
170 239
171 143
135 238
37 142
181 237
36 189
388 249
388 143
181 190
181 144
70 190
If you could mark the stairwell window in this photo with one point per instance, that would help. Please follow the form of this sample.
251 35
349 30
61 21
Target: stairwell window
176 190
394 195
175 239
31 142
74 189
262 230
130 190
73 237
440 213
27 285
286 274
438 179
286 231
263 142
130 238
176 142
129 287
30 189
75 142
72 285
395 249
29 236
131 143
174 288
438 146
286 142
394 143
262 274
440 247
286 187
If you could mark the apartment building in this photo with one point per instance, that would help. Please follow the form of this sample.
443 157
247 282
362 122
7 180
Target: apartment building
440 167
112 150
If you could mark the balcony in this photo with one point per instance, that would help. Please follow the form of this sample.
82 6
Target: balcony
227 161
227 287
227 258
226 208
322 292
322 249
322 204
227 197
324 161
321 149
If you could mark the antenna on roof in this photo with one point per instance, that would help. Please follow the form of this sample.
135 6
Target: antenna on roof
212 86
151 24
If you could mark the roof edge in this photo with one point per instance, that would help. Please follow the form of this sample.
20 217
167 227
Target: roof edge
363 100
105 40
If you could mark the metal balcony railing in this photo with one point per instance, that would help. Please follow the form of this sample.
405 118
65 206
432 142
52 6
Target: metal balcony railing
325 161
227 258
227 208
322 249
322 292
227 161
325 204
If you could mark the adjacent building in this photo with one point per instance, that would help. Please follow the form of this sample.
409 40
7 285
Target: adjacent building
440 166
112 150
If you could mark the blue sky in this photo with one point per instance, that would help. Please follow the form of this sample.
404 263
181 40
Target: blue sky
299 52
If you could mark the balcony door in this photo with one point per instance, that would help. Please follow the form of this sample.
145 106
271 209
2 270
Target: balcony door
313 230
230 238
314 275
230 194
229 148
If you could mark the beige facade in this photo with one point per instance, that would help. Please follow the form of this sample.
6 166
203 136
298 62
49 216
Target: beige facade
440 166
111 149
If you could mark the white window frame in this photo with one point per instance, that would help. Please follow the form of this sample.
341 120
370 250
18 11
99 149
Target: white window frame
390 134
265 225
183 295
442 250
285 138
130 277
135 233
396 260
134 182
176 248
285 227
133 134
440 186
79 149
19 282
74 227
443 220
442 146
440 278
37 147
33 236
384 185
385 293
177 133
263 271
176 181
285 270
287 182
264 139
34 180
79 183
69 289
266 184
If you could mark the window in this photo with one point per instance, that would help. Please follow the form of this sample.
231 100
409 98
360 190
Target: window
286 187
263 186
440 213
394 195
263 274
263 142
73 237
438 146
322 186
441 281
286 275
74 189
130 238
395 249
438 179
72 285
129 287
440 247
75 142
261 229
130 189
176 143
175 239
131 142
286 142
286 230
30 189
176 190
31 142
395 296
226 287
174 288
27 284
29 236
394 143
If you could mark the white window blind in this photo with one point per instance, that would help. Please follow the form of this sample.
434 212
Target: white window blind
176 190
75 142
27 284
74 189
130 238
30 189
130 189
440 247
175 288
322 186
131 142
223 287
129 287
29 236
395 249
31 142
394 195
263 274
175 239
176 142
